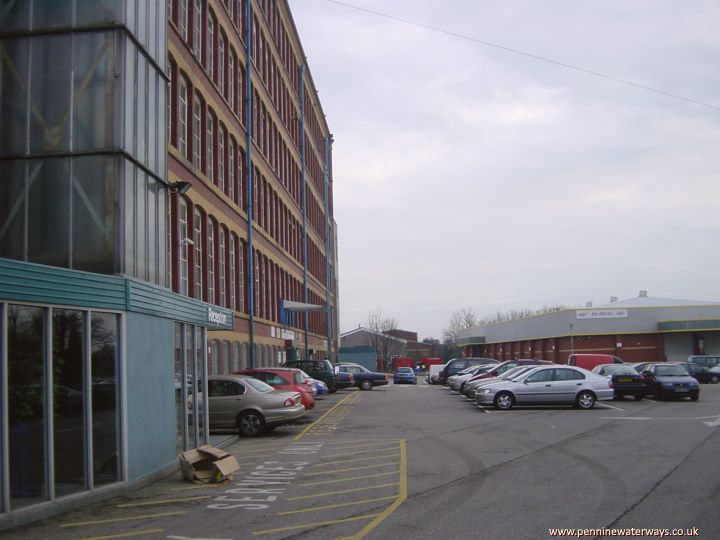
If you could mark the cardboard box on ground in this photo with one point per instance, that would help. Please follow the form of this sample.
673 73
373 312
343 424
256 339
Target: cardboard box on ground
207 464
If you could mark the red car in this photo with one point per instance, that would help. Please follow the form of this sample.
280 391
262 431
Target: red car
284 379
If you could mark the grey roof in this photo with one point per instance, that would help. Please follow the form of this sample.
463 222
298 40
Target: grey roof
644 301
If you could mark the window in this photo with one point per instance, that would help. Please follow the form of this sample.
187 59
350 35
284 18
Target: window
183 18
221 158
210 147
197 28
221 266
540 376
197 239
182 116
225 389
232 270
567 375
197 132
211 262
210 47
221 64
231 81
182 241
231 169
241 276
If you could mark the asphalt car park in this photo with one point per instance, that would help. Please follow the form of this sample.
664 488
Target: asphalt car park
415 461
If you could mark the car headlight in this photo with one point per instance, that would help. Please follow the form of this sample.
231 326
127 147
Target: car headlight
485 391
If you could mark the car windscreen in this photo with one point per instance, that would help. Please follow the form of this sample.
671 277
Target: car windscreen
258 385
404 370
512 374
670 371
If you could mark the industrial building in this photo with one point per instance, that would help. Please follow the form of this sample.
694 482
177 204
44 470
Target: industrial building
165 212
641 329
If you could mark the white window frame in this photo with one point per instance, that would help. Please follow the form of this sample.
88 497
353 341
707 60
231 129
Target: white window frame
197 239
221 268
183 251
197 28
211 261
182 115
233 285
222 135
197 132
210 147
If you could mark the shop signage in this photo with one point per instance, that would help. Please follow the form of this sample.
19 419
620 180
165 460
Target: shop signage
601 314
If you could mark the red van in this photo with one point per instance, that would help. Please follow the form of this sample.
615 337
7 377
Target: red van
589 361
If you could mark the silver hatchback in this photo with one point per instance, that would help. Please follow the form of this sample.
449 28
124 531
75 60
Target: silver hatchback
250 405
548 385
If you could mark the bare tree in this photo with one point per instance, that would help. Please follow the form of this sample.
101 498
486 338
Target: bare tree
385 345
460 320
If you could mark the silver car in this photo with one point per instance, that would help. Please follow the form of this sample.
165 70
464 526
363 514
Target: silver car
471 388
250 405
548 385
457 382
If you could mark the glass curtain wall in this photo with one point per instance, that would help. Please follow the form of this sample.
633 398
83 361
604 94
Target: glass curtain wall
83 138
63 391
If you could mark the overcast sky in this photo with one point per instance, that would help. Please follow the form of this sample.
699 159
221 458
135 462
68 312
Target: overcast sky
467 176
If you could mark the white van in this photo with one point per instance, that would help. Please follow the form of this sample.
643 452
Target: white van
433 372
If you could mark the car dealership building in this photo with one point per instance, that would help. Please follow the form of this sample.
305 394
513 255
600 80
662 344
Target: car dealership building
638 329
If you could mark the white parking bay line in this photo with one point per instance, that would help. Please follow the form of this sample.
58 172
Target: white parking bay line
610 407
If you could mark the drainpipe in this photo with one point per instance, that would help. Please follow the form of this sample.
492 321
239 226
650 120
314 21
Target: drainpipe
328 284
303 187
249 189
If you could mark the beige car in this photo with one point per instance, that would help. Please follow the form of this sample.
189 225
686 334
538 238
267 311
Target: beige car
250 405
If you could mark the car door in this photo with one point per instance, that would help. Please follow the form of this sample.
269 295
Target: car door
565 385
225 402
534 388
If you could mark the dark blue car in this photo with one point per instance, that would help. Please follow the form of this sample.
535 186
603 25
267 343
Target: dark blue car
364 378
404 375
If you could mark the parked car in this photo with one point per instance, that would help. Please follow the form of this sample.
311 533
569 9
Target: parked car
626 381
589 361
320 387
701 373
640 366
472 387
671 380
284 379
709 361
248 404
318 369
456 365
344 380
404 375
547 385
364 378
434 373
457 382
501 368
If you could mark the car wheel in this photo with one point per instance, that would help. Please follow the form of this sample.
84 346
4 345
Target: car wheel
366 385
617 397
714 379
585 400
332 389
251 424
503 401
638 398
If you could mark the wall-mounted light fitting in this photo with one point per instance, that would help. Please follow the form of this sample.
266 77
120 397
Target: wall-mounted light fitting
180 187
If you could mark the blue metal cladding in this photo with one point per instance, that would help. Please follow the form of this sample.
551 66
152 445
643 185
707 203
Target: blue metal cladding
29 282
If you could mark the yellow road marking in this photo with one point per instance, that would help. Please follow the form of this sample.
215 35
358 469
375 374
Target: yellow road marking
322 463
115 520
357 441
380 443
316 422
402 497
123 535
362 452
329 493
210 486
162 501
350 479
316 524
333 471
339 505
